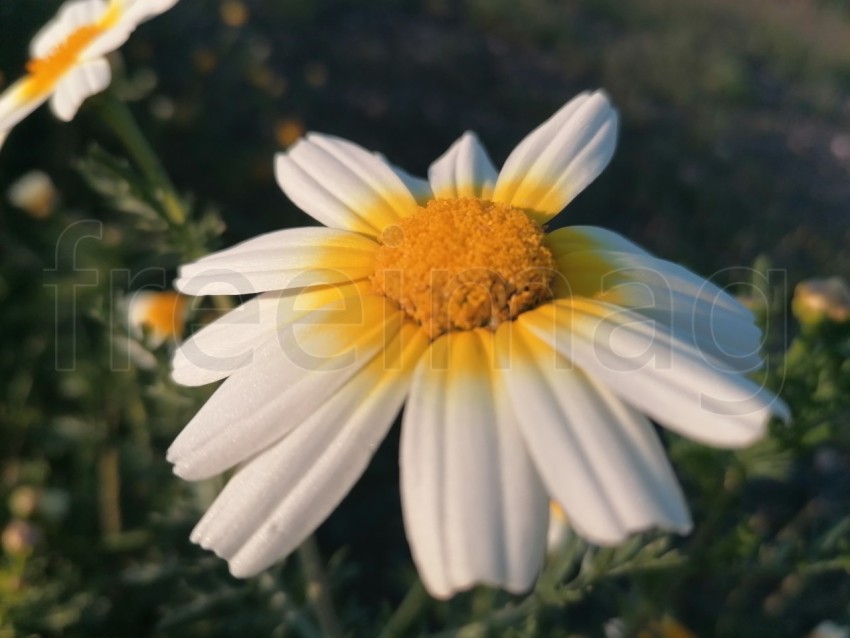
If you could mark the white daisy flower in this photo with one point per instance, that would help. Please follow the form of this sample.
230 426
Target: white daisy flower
33 192
161 313
529 364
67 62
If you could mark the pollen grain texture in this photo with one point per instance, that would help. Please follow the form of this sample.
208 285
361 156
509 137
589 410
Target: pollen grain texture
461 264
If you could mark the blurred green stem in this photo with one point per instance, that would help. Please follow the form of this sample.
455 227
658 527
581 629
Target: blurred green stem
318 592
118 118
407 612
109 492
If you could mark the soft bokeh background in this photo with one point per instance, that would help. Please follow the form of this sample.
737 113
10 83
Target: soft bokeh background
734 159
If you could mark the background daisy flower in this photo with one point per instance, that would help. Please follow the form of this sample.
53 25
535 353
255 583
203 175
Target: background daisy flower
529 364
161 313
67 63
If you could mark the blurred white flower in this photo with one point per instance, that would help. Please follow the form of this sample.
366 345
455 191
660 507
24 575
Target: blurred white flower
829 629
33 192
67 62
159 314
19 538
818 299
529 363
23 501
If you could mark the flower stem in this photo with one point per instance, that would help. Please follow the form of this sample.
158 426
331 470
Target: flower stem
119 119
109 479
318 592
407 612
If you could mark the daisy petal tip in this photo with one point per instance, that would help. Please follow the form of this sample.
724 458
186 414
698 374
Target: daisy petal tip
602 94
610 118
177 375
682 528
435 584
238 572
182 284
298 147
188 468
601 536
316 137
188 376
282 162
164 5
172 455
201 286
247 567
602 540
179 469
205 542
439 592
520 585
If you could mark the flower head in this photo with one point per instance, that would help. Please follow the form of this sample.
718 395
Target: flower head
528 363
67 62
33 192
161 313
817 300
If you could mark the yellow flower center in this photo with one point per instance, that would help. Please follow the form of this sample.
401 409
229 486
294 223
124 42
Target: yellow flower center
45 72
460 264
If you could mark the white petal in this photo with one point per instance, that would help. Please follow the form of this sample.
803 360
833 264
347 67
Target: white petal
464 170
474 509
599 459
656 372
525 503
70 17
575 238
138 11
133 13
294 371
79 83
418 187
601 264
619 268
557 160
270 506
728 340
229 343
110 40
342 185
291 258
117 26
15 105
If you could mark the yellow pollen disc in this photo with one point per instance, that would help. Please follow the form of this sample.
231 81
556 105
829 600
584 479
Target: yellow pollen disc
461 264
47 71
